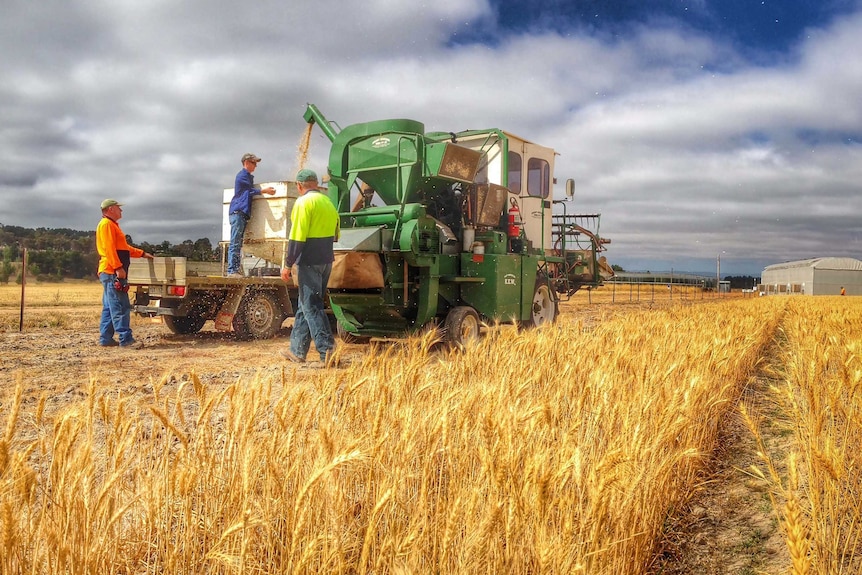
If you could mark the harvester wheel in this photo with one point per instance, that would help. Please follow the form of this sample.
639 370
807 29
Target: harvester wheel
350 337
184 324
543 308
259 316
462 326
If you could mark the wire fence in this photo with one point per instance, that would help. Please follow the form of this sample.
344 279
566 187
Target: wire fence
651 291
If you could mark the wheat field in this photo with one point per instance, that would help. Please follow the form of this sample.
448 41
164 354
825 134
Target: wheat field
559 450
820 392
72 293
49 305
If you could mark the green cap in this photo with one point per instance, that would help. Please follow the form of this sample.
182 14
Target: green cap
108 203
306 175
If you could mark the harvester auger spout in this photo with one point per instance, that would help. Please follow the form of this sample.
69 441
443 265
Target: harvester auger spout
314 116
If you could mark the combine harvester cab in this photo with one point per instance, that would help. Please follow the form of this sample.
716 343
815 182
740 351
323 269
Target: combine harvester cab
465 234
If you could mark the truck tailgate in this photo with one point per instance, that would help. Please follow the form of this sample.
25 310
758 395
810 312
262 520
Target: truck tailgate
169 270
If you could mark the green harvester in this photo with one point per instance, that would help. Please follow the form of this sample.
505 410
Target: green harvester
465 232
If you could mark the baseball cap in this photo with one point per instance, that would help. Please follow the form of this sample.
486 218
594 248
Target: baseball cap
250 157
108 203
306 175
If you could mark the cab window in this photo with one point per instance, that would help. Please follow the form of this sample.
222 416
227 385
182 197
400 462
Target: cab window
538 178
514 166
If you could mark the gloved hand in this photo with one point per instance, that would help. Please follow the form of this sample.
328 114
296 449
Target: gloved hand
121 284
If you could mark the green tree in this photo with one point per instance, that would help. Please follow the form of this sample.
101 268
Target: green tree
10 251
6 271
186 249
203 251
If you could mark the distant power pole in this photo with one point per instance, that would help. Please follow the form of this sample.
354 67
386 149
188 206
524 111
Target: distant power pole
718 275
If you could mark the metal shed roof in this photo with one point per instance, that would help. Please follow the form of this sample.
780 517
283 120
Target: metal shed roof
820 264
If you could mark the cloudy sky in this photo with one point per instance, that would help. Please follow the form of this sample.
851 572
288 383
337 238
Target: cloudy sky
697 128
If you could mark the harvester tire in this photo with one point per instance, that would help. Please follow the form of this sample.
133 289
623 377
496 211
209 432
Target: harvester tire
259 316
543 308
184 324
350 337
462 326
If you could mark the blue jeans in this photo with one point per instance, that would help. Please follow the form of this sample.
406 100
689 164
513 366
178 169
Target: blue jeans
310 321
116 313
234 250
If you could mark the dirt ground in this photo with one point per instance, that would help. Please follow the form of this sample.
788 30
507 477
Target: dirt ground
59 362
727 528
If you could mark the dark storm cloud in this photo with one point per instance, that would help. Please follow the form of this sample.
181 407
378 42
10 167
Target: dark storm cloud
20 180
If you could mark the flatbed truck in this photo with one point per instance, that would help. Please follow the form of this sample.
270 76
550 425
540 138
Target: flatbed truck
186 294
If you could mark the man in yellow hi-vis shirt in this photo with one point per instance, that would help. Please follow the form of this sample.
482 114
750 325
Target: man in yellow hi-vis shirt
314 227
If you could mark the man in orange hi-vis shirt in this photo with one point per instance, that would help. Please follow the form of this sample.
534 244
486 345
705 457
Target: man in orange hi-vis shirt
114 255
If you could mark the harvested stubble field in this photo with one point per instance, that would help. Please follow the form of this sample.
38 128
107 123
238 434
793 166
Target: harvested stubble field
612 442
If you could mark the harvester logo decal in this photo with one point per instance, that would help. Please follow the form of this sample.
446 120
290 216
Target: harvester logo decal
509 279
380 142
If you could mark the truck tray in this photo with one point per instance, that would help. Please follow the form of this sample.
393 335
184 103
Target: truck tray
169 270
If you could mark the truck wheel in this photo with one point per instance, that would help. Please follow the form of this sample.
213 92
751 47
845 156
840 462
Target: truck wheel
259 316
184 324
543 308
462 326
350 337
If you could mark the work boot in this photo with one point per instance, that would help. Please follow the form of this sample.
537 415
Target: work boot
290 356
134 345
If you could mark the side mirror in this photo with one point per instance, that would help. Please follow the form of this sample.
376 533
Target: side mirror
570 188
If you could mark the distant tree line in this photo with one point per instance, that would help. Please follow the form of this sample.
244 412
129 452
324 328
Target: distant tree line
54 254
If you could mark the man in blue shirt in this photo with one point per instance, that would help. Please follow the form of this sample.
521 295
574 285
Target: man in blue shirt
240 211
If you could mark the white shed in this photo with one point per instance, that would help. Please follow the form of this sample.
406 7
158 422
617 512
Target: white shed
817 276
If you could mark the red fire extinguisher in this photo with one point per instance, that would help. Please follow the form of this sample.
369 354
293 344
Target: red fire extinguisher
514 219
